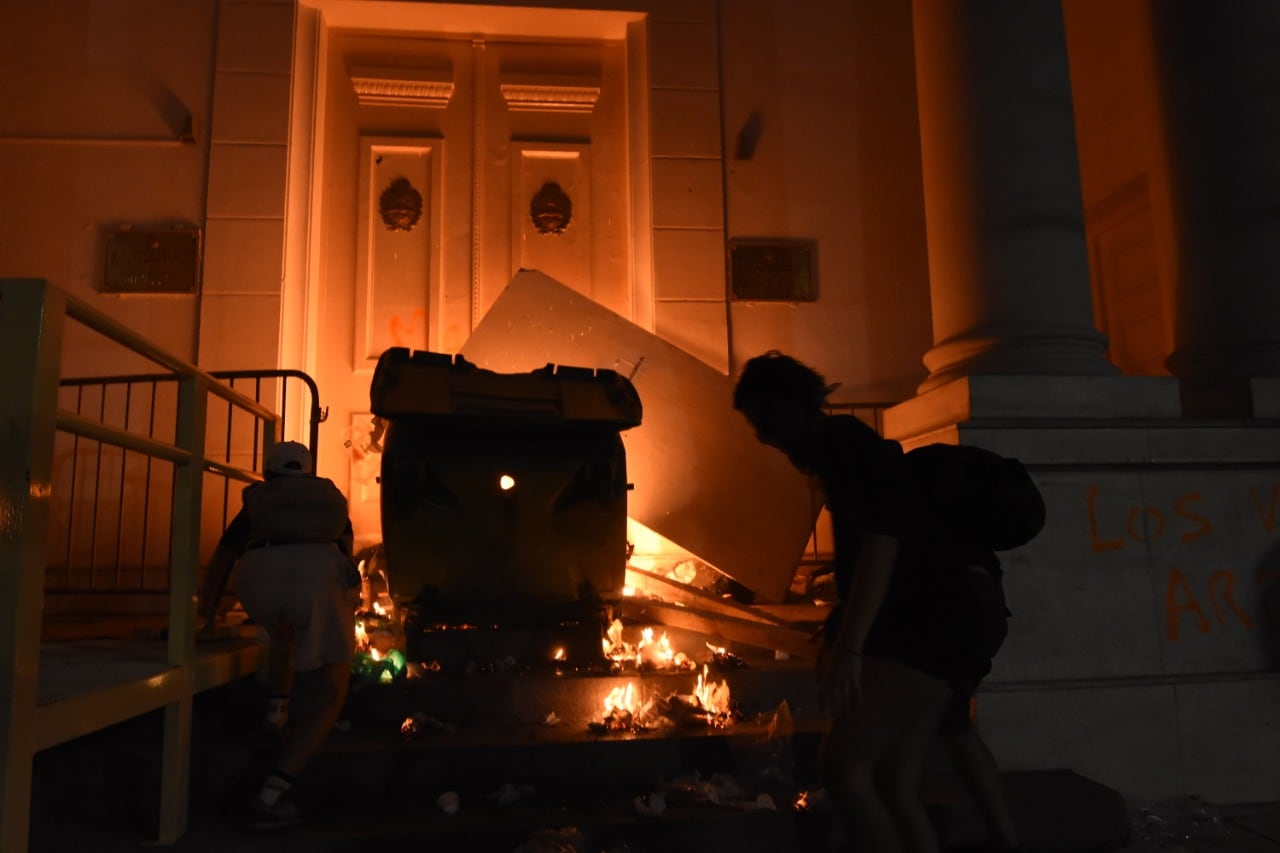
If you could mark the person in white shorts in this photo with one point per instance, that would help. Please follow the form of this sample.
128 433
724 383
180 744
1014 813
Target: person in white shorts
291 544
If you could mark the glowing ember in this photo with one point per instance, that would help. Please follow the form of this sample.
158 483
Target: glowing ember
802 802
558 654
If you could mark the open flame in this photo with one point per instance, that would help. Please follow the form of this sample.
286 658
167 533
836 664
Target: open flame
709 705
714 697
646 653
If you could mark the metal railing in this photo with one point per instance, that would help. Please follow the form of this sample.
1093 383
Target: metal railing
33 317
108 538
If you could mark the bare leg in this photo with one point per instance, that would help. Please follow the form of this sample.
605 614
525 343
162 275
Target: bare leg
981 777
900 707
317 702
279 650
900 774
848 771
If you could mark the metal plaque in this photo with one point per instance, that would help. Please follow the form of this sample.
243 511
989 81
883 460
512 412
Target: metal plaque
152 261
772 270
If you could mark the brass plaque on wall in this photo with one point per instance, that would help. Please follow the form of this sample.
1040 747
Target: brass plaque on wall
772 270
152 261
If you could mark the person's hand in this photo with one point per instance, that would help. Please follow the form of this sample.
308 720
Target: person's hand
841 680
208 628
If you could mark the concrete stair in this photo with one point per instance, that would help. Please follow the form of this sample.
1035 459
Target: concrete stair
379 790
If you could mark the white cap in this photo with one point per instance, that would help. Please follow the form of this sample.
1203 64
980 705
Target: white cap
289 457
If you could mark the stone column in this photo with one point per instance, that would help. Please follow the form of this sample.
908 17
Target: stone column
1219 67
1008 264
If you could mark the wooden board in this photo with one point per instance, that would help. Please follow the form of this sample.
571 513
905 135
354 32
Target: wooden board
724 629
701 478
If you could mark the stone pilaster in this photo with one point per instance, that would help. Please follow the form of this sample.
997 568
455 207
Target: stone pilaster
1219 66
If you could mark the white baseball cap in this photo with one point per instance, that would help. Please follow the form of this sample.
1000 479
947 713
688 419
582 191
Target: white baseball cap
289 457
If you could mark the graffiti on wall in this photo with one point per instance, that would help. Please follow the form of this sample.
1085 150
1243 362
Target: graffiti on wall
1190 605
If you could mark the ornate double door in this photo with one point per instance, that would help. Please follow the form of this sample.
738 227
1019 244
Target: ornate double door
445 165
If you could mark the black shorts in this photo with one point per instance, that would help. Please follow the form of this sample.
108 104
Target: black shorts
950 629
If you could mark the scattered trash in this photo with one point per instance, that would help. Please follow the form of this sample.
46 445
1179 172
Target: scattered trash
651 805
509 794
721 789
448 802
566 840
725 659
419 723
1175 826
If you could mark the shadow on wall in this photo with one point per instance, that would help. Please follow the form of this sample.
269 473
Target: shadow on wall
1268 574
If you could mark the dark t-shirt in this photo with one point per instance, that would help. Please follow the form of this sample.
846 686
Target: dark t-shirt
927 619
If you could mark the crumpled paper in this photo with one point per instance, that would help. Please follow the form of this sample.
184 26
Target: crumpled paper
1182 825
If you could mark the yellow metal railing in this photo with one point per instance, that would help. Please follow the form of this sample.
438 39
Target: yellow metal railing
33 316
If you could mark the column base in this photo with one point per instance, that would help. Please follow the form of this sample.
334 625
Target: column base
1071 352
1023 398
1244 397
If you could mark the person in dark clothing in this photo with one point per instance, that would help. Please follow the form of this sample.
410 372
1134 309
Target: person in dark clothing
896 643
291 544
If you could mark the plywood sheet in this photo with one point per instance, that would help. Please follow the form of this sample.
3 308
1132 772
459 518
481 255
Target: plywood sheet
701 479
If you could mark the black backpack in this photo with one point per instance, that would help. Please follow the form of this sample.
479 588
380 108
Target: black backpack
980 494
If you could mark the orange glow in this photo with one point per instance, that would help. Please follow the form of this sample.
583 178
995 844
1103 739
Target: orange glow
506 482
648 652
621 699
714 697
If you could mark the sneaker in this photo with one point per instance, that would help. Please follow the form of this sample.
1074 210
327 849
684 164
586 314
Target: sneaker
284 814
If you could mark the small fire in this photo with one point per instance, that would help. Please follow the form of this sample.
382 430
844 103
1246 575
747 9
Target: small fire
621 699
619 709
714 697
708 705
647 653
802 802
558 654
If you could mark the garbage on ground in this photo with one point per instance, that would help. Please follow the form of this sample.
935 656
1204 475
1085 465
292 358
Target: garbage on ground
419 723
509 794
449 802
651 805
1175 826
566 840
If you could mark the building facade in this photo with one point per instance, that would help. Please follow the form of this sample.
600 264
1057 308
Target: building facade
1045 227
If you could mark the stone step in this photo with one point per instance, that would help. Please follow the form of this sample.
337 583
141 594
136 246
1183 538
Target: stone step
381 790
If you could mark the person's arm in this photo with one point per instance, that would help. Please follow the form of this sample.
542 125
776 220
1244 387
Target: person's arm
232 544
873 569
215 582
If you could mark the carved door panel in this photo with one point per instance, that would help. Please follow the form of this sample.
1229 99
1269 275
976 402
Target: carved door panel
448 165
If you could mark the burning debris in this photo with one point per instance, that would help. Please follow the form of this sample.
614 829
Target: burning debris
646 654
708 706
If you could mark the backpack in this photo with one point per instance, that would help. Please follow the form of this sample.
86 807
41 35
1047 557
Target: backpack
296 508
980 494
